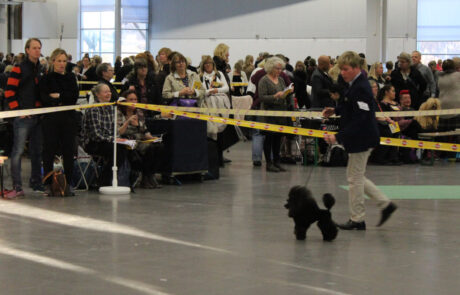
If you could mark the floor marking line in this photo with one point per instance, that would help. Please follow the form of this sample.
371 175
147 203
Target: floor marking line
52 262
91 224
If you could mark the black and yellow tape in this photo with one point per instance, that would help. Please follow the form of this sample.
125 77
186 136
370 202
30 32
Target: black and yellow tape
179 111
441 146
307 114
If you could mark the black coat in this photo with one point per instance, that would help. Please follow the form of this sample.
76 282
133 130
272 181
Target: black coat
123 72
320 84
358 130
153 92
416 85
90 76
221 65
65 85
69 67
300 89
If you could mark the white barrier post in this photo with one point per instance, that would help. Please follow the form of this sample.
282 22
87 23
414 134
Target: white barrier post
114 189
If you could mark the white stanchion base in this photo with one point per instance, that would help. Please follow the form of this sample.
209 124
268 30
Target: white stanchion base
115 190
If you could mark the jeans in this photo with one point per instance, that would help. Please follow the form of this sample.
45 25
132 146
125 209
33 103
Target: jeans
23 129
257 145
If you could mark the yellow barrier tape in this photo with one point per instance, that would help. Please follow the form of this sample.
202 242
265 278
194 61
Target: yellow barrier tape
440 146
96 82
309 114
39 111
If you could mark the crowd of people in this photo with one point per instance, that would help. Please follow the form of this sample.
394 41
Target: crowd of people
30 81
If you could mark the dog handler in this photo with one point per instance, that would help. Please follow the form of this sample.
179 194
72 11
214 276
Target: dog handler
358 133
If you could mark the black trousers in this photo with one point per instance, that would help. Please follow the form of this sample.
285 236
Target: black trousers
149 161
59 137
272 146
383 154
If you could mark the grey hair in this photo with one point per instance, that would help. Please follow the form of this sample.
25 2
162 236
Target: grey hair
103 67
272 62
406 56
96 89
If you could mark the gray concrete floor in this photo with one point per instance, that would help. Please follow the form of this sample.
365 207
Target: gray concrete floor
231 236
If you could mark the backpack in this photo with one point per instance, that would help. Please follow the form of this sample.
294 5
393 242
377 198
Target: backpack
335 156
59 186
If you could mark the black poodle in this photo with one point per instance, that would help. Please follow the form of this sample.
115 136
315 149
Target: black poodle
305 211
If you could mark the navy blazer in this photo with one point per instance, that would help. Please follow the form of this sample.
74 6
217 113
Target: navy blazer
358 130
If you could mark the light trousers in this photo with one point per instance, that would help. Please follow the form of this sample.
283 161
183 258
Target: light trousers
360 185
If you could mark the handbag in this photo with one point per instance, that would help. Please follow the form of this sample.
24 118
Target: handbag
59 186
183 102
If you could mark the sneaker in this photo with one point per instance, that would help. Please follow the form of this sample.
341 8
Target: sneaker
14 194
38 188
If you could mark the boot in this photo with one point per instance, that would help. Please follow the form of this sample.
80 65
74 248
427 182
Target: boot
271 167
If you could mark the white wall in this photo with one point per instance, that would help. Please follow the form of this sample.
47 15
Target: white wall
401 27
294 28
44 20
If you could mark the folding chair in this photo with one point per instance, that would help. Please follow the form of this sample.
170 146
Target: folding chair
92 161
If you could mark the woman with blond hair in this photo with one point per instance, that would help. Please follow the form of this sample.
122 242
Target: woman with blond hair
59 88
221 59
213 80
248 65
376 74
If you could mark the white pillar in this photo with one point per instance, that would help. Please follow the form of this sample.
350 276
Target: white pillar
4 28
376 34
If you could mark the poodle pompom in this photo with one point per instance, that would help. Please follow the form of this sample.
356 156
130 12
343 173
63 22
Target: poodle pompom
328 201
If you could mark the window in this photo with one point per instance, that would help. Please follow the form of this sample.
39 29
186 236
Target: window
98 27
134 25
438 29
